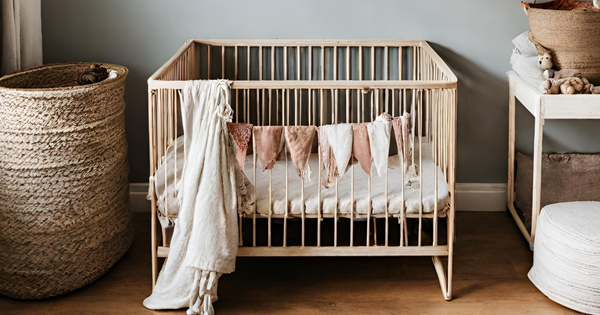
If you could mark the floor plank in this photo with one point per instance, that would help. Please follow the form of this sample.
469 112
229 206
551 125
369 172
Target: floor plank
491 265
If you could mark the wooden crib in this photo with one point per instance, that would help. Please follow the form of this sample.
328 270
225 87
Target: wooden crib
319 82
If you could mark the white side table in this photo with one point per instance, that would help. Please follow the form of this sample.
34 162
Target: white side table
542 107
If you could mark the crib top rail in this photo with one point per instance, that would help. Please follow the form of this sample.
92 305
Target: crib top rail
303 64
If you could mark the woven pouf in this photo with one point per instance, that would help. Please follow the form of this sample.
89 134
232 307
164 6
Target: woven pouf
65 217
566 265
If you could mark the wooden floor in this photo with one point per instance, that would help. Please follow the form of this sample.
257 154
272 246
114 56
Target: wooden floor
491 265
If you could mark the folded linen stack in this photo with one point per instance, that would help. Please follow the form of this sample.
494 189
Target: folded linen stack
524 61
567 255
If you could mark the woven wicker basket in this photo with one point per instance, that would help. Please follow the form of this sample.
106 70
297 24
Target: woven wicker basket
65 217
571 31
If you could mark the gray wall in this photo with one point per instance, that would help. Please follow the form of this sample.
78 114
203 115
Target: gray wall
472 36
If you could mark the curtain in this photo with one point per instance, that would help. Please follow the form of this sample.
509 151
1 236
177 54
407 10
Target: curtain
21 34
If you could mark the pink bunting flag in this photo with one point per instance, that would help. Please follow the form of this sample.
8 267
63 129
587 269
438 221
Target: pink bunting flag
299 140
267 140
361 148
240 133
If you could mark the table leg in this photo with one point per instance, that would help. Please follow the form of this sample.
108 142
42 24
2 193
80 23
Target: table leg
510 192
537 169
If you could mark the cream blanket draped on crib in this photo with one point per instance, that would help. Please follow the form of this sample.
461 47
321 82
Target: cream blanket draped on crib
205 239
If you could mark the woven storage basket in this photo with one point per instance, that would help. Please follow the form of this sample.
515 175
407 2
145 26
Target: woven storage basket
65 217
571 31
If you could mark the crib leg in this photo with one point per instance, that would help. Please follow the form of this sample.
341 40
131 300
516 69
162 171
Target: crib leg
444 281
154 242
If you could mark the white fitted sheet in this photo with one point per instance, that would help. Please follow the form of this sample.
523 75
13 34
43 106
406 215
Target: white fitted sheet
412 195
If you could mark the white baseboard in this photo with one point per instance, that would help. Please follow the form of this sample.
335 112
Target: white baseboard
469 197
138 193
480 197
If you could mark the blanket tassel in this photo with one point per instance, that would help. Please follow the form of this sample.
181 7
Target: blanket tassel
202 296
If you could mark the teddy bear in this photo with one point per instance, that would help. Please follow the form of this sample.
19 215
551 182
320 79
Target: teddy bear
545 61
570 85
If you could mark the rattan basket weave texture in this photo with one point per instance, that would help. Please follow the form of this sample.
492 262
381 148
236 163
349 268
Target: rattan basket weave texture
65 216
570 30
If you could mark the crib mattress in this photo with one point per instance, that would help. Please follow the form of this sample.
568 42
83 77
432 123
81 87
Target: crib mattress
412 193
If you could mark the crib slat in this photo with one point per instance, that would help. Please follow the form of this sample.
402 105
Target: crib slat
386 63
446 133
168 135
435 176
403 233
414 63
277 107
270 190
369 187
451 232
335 63
285 60
223 62
300 104
260 63
208 62
287 182
303 215
271 204
360 63
289 97
159 124
285 110
369 211
348 106
322 63
387 214
377 104
311 110
320 169
337 200
310 63
299 67
152 118
335 218
255 193
235 70
420 168
428 113
372 63
348 63
387 99
192 59
248 66
352 204
400 61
